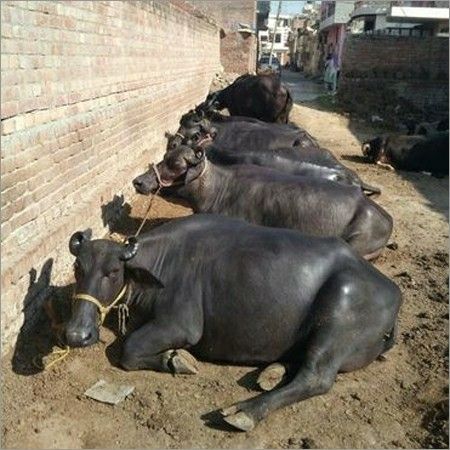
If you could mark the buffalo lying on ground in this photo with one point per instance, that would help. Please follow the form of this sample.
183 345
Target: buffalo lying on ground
411 153
218 289
287 148
269 197
260 96
235 131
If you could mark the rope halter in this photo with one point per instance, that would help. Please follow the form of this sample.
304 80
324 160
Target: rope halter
161 182
206 139
104 310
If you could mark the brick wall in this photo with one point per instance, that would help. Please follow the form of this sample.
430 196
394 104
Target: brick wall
237 49
384 71
87 89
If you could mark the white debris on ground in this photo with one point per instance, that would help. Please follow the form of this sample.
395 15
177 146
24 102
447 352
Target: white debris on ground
109 392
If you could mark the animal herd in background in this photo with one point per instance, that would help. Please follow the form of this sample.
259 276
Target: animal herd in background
270 270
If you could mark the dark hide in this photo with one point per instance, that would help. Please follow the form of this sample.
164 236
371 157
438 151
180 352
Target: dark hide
412 153
268 197
241 294
240 132
282 147
305 160
260 96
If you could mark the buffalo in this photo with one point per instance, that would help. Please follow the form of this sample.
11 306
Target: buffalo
428 153
260 96
287 148
217 289
269 197
235 132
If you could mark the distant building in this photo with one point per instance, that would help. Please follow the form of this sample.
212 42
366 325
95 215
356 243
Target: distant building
281 41
400 18
304 46
262 14
333 23
237 20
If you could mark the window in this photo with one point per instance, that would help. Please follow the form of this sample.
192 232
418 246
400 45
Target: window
278 38
263 38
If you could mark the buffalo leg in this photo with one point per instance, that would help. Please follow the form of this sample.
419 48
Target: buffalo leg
309 382
158 347
339 339
370 230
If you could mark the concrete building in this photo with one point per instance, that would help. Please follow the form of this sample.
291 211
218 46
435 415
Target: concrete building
262 14
281 43
400 18
333 23
304 46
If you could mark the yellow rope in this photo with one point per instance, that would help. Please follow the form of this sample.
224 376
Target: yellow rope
63 353
104 310
123 312
150 204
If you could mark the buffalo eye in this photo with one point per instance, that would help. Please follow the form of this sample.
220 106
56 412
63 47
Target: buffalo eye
175 164
112 273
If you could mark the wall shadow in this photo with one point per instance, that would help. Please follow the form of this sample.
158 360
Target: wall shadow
119 216
45 308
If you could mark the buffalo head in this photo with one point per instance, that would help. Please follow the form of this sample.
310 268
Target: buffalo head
99 275
373 149
180 166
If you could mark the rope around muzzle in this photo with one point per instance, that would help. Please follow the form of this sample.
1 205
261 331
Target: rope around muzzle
122 309
123 315
104 310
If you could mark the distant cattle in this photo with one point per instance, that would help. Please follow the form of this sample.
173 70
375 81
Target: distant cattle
412 153
263 97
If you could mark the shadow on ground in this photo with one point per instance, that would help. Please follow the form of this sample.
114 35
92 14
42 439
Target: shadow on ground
119 217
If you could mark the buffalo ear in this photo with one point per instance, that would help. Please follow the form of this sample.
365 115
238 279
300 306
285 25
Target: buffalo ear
77 240
130 249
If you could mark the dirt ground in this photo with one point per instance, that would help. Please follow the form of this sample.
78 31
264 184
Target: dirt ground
400 402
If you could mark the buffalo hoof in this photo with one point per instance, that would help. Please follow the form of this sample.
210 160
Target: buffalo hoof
238 419
181 361
386 166
271 377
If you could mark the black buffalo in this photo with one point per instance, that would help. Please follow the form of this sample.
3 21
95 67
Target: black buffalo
412 153
287 148
219 289
260 96
307 160
269 197
235 132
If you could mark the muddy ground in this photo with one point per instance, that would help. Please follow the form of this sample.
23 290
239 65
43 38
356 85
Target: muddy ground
397 403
